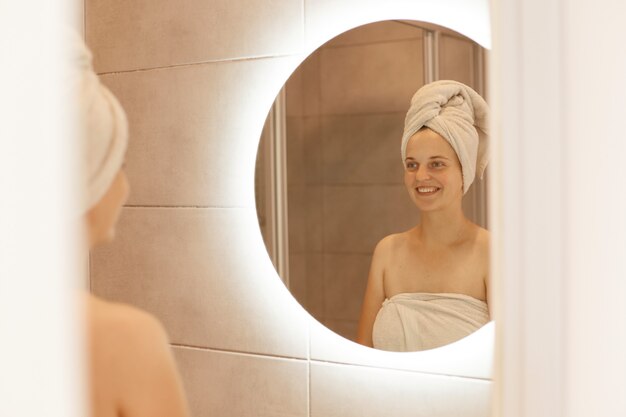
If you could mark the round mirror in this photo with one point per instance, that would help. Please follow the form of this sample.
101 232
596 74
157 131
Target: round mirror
330 177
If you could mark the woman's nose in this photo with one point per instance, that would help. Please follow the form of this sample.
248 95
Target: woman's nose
422 173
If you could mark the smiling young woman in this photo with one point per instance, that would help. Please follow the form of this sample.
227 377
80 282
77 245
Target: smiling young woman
427 286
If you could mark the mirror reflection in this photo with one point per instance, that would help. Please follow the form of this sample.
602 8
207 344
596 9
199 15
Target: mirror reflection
339 206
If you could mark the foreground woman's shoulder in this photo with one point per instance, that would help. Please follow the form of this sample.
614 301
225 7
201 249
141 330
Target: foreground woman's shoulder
110 321
132 363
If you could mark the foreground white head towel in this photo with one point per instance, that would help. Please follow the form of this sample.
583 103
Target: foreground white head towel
457 113
103 129
410 322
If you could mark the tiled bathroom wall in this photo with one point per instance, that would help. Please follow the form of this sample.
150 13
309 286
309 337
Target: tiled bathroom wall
193 76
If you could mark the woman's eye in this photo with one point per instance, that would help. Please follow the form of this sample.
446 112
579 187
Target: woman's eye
411 165
437 164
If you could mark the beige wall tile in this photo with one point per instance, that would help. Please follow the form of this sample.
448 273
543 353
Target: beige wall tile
205 274
194 130
235 385
306 278
456 60
261 187
297 277
338 390
140 34
315 218
371 78
311 80
315 301
296 157
345 278
470 357
344 328
313 150
305 221
357 217
294 94
376 32
363 149
297 222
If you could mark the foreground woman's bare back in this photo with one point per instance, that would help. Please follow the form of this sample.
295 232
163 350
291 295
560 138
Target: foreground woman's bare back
132 370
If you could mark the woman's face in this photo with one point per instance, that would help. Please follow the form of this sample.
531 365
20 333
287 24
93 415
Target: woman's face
432 172
102 217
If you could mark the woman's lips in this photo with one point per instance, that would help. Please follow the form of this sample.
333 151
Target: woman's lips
426 191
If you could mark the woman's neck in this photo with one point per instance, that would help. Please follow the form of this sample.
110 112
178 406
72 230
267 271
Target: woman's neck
443 227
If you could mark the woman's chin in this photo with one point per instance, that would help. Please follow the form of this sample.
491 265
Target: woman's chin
425 206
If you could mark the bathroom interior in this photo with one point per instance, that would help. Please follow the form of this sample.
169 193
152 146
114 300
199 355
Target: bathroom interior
349 94
264 166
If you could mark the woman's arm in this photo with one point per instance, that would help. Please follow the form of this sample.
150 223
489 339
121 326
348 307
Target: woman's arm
374 294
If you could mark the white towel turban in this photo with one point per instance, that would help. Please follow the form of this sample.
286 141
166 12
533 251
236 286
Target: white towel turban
103 129
460 115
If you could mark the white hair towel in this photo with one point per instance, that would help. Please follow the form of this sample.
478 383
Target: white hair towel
460 115
103 128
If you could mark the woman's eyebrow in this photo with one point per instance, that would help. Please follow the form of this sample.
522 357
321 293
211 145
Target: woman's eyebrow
439 157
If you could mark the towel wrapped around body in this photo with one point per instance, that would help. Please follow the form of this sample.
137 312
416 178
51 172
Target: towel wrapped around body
420 321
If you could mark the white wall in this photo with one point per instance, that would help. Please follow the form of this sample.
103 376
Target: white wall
39 326
559 82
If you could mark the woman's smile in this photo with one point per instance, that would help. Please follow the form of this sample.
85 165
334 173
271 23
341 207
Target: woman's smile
426 191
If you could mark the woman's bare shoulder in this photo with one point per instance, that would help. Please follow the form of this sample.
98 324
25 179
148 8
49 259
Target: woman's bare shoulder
393 241
132 359
479 235
112 321
483 238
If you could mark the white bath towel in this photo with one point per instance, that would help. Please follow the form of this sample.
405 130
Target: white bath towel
460 115
103 129
419 321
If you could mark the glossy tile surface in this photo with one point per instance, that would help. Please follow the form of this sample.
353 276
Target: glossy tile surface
338 390
357 217
139 34
470 357
227 384
372 78
205 274
194 130
345 279
456 60
363 149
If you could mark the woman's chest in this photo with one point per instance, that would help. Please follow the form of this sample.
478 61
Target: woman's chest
457 270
